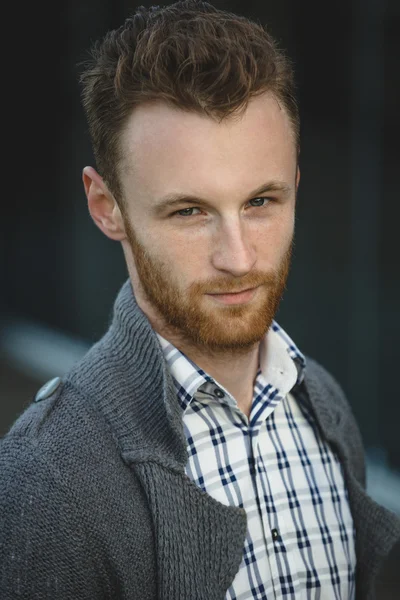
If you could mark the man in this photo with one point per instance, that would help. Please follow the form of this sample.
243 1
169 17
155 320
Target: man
194 452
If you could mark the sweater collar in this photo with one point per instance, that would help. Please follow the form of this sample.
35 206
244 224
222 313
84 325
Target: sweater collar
125 377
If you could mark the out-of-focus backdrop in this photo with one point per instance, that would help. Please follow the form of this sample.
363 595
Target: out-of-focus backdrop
59 275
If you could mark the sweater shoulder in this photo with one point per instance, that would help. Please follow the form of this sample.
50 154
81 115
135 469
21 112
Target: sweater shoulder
333 389
317 370
62 438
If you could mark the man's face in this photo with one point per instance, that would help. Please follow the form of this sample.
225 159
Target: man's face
231 237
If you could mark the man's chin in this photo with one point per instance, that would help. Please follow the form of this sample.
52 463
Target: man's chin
221 343
220 331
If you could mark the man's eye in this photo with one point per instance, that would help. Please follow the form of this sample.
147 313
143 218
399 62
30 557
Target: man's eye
185 212
260 201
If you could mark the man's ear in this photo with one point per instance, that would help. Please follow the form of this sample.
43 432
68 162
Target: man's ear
102 205
297 178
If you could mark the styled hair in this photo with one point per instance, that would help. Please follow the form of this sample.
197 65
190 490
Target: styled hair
190 55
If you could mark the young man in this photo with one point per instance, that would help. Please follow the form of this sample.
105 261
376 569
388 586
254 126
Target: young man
194 453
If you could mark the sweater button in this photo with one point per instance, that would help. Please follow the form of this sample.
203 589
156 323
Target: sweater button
47 389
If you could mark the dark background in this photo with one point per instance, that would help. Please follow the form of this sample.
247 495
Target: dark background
59 274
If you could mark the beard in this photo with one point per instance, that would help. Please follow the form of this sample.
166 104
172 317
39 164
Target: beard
199 320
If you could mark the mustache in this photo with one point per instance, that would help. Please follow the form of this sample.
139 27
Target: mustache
227 286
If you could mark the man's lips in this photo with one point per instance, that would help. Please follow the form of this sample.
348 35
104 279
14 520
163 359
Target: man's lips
235 297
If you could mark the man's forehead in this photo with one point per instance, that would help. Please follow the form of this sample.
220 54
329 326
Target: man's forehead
156 121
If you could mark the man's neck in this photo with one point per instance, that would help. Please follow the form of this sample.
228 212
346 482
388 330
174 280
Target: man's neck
235 373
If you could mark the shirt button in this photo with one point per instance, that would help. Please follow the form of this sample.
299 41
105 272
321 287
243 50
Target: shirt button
219 393
275 535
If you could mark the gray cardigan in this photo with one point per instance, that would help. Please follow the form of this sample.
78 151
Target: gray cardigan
94 500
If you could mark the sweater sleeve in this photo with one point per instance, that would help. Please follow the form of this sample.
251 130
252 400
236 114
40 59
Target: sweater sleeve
44 552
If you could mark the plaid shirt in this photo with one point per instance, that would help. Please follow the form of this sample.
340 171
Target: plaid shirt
300 534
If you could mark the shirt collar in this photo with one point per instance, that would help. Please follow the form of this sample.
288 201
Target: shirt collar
281 363
290 348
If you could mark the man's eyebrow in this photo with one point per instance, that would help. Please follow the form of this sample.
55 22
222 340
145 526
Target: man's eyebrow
171 200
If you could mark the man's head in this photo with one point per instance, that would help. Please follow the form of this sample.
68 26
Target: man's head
189 101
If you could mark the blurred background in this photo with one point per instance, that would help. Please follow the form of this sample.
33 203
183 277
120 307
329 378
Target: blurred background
59 275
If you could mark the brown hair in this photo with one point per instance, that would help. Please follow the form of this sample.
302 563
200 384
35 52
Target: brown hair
189 54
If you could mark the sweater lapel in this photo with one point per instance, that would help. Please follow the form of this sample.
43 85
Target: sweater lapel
199 541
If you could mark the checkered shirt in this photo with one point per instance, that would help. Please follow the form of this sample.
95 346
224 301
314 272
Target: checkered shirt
300 535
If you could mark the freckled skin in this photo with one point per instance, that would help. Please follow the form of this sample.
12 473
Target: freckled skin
174 262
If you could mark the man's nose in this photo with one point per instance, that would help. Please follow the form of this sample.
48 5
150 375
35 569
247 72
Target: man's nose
234 251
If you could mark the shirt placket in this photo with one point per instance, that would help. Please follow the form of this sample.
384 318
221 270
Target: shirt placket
268 485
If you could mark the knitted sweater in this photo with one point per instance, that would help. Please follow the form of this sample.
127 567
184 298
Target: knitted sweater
94 500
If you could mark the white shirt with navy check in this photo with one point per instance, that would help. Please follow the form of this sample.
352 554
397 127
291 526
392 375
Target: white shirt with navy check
300 534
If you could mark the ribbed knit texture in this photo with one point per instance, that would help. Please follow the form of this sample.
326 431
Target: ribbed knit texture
94 500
